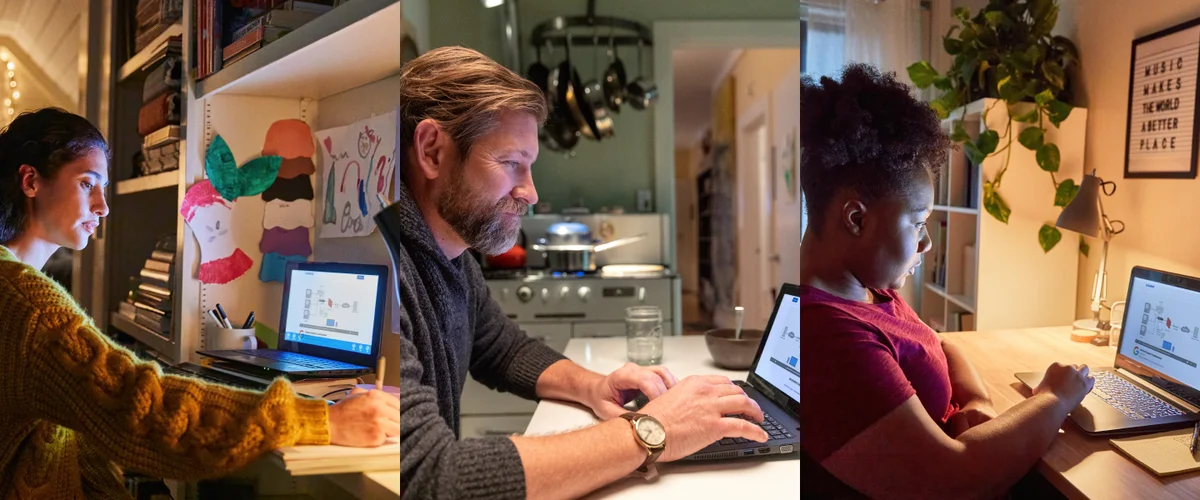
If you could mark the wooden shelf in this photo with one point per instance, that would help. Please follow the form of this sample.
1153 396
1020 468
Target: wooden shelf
963 301
961 210
148 183
349 46
163 346
135 63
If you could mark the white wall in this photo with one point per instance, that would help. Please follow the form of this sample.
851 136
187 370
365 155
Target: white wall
1158 213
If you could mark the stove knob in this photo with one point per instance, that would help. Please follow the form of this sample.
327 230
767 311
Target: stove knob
525 294
584 293
545 295
562 292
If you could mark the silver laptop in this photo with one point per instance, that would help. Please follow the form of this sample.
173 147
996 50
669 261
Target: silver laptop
330 324
773 382
1154 383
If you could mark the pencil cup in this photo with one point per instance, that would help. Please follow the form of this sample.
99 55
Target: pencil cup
231 338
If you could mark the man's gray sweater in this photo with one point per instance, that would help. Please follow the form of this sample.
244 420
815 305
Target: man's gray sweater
449 324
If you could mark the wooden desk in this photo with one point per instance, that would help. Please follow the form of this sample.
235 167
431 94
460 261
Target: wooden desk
761 477
1078 465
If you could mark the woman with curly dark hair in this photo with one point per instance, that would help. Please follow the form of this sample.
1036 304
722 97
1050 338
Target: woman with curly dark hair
889 409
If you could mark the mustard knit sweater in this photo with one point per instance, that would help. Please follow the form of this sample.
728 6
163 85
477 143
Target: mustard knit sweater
76 408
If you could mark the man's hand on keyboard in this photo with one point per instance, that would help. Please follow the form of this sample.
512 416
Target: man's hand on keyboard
1069 383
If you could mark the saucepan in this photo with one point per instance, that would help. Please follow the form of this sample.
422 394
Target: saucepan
569 247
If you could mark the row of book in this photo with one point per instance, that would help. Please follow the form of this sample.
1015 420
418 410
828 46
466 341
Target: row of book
148 302
936 263
162 109
229 30
151 19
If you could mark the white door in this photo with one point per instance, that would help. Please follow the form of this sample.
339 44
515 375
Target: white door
786 224
754 282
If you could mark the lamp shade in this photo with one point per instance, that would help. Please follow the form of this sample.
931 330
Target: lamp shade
1082 215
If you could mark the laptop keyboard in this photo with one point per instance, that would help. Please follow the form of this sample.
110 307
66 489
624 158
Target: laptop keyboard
774 430
1130 399
300 359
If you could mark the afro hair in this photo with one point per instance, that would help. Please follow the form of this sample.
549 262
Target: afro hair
866 133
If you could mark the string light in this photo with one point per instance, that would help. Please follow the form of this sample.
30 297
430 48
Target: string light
10 111
16 94
11 65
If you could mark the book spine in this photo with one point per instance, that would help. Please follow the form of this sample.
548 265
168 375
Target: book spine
157 266
162 256
244 43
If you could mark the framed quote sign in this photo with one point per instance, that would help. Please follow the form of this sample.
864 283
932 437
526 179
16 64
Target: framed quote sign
1161 129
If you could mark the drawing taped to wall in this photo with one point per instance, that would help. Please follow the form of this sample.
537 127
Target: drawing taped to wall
357 163
211 218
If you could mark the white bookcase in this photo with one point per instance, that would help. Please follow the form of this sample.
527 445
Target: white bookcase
337 69
982 274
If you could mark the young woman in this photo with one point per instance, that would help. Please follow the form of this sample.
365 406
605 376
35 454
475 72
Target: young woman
75 408
890 410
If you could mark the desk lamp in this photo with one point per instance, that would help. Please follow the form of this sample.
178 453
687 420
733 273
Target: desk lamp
1085 215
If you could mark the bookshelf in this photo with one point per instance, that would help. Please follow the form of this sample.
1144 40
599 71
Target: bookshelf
982 274
320 65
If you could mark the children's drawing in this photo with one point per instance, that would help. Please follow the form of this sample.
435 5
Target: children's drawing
291 167
289 139
358 161
288 214
210 216
296 188
232 182
286 241
274 265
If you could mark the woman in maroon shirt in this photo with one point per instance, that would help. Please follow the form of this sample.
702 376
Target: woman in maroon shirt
889 409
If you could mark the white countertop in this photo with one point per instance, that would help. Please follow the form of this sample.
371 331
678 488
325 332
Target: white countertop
779 477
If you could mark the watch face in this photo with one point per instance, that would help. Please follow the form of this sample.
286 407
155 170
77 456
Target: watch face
651 432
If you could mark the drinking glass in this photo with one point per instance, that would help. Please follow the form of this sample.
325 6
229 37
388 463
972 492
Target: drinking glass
643 335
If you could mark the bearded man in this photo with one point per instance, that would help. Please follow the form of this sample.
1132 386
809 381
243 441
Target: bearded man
468 142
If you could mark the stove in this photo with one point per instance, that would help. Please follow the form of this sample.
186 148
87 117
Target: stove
583 304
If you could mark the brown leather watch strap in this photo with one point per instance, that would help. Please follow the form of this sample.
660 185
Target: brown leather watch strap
652 454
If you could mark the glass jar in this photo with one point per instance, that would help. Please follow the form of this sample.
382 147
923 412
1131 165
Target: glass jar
643 335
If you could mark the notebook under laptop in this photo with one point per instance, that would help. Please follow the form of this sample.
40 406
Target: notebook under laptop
774 383
1155 383
330 325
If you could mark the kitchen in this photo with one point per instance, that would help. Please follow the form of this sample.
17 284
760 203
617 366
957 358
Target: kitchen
621 194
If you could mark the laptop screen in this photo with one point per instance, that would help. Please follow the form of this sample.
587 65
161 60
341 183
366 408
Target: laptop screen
331 309
1162 329
779 362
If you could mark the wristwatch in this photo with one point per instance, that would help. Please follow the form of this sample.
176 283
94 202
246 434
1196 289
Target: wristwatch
650 434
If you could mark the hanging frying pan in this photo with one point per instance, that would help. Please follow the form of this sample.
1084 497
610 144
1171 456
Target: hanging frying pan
571 93
614 79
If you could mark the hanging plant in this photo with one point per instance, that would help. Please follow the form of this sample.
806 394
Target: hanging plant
1006 52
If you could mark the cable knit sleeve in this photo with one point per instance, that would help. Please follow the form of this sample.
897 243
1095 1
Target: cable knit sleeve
131 413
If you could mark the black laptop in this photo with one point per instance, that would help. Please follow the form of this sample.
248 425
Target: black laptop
774 383
330 324
1155 383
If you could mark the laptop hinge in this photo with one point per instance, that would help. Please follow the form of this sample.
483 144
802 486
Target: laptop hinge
1162 393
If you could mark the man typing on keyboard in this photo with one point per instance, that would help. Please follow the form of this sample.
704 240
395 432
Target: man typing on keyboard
468 140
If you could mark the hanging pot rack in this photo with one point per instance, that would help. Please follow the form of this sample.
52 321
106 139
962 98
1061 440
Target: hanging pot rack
590 30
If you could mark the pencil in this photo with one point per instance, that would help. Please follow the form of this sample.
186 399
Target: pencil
379 373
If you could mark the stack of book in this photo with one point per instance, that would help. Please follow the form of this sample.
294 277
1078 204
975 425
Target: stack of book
149 299
249 34
158 121
152 19
228 30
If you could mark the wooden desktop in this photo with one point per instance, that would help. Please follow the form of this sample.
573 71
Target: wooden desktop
1080 466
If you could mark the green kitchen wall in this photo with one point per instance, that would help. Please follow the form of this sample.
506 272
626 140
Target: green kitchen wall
600 174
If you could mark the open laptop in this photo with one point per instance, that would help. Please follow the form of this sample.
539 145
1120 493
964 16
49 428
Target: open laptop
773 382
330 324
1155 382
